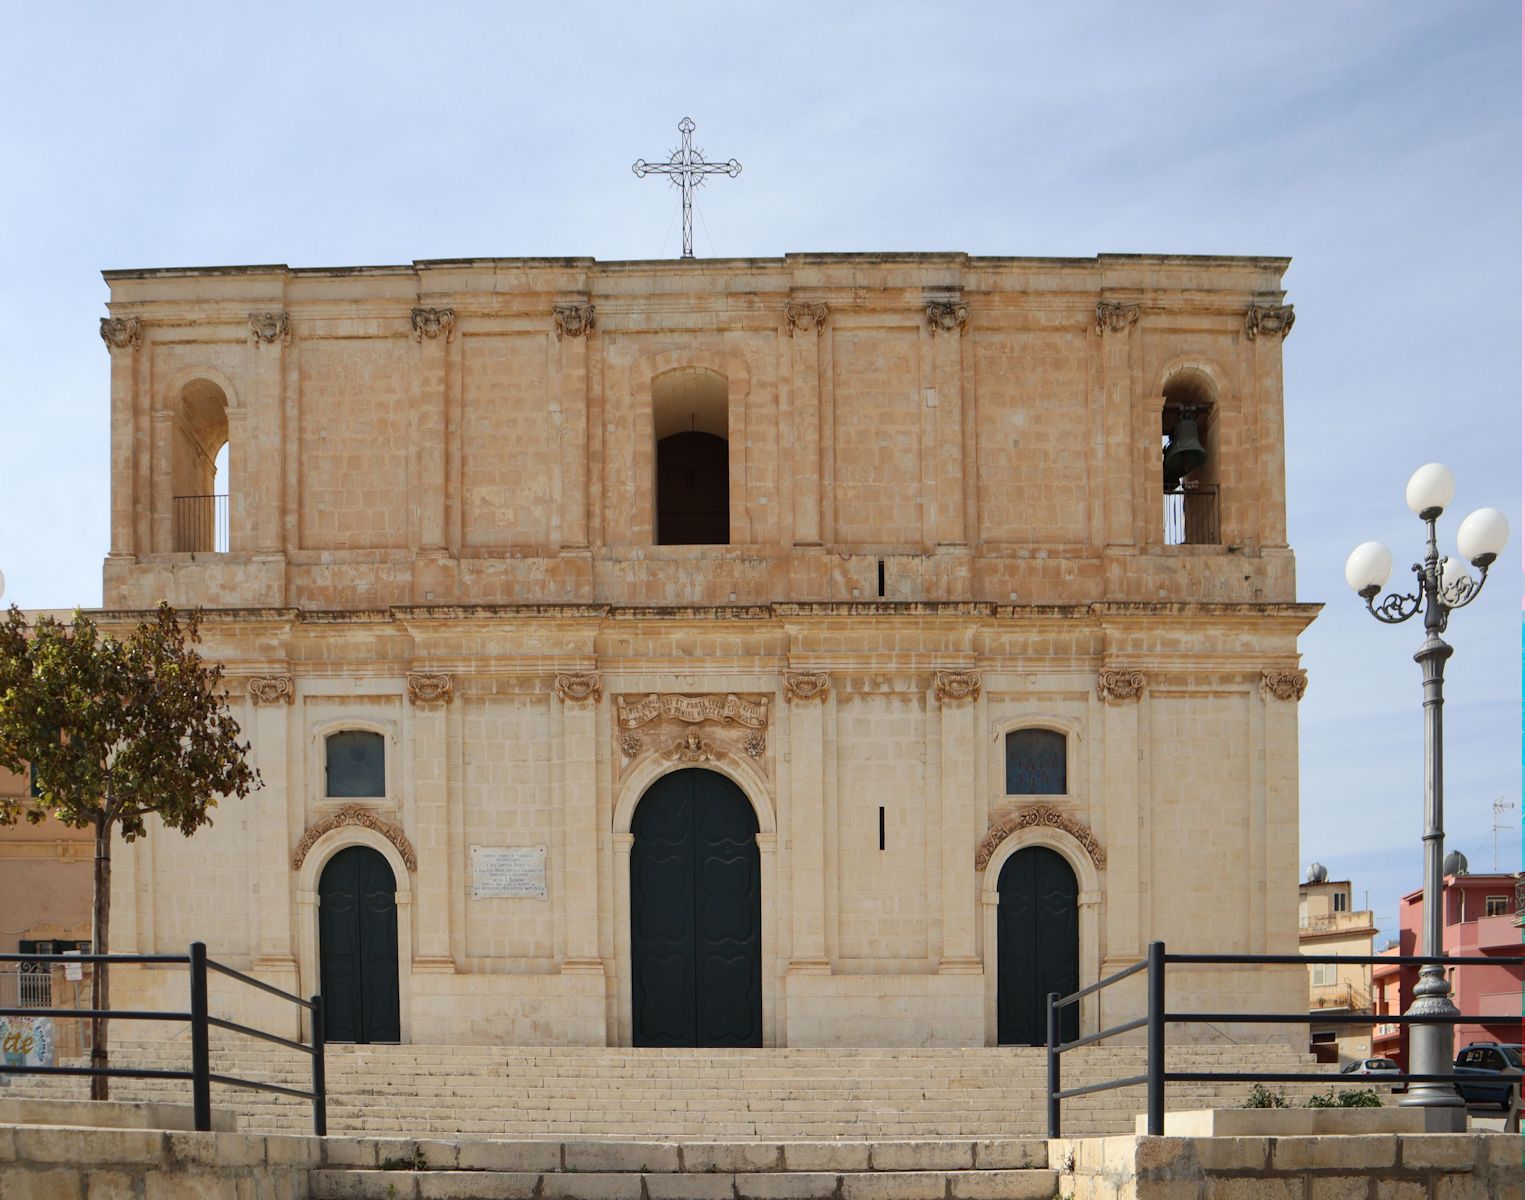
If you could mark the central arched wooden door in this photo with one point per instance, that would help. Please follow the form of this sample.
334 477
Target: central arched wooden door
357 947
1037 946
695 914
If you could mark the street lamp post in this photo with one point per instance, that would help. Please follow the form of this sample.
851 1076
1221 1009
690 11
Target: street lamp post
1443 585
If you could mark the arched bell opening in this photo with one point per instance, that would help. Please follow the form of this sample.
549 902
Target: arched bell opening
1189 459
691 425
199 468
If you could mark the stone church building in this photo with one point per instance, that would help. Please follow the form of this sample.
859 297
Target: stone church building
841 649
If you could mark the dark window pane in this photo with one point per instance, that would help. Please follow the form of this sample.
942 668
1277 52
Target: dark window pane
356 764
1035 762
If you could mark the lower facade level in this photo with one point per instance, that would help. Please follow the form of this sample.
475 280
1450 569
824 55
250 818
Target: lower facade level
826 825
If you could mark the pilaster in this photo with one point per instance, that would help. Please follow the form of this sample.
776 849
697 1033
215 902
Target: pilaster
1116 336
430 697
956 694
123 337
808 693
579 696
574 338
805 322
273 838
433 330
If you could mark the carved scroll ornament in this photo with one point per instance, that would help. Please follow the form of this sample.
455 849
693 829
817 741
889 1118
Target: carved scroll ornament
269 326
353 814
1120 685
947 315
572 320
1114 316
432 322
726 710
1284 685
807 685
1268 319
578 687
121 332
801 317
431 689
272 689
1040 815
956 685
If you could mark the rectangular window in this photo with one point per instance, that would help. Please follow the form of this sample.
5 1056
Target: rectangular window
1323 974
1341 902
1035 762
1496 906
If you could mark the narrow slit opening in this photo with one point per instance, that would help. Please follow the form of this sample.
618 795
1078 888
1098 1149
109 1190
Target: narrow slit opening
881 827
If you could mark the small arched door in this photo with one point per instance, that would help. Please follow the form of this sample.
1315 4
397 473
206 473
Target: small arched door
357 947
1037 946
695 914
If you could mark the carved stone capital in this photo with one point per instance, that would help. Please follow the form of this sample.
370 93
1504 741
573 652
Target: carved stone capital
1120 685
1038 816
353 814
956 685
801 317
807 685
572 320
577 687
947 315
1115 316
1284 685
267 327
432 322
1268 319
272 689
431 689
121 332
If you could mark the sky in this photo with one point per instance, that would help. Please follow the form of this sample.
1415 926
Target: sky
1376 144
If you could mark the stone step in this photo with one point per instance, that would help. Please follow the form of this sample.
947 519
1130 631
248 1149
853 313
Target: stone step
1030 1184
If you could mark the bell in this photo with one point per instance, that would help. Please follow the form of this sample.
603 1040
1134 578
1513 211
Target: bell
1184 454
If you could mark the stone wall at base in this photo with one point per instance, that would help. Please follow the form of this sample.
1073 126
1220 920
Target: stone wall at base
1445 1166
39 1162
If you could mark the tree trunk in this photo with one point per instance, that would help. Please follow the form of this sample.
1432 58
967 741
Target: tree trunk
100 943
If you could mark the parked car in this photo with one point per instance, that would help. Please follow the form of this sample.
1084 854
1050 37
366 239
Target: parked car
1496 1062
1370 1066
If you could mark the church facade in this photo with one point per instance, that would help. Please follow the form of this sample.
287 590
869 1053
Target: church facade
828 650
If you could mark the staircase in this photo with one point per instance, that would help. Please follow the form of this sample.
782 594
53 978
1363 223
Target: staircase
771 1095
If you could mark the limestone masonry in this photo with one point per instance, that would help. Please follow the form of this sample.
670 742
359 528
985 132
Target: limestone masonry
860 569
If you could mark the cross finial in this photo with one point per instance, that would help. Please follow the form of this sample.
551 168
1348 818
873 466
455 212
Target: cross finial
686 168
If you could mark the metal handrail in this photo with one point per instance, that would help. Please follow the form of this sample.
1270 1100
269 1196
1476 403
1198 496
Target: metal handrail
201 1023
1157 1017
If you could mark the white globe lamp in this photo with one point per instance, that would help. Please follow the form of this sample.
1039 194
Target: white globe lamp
1482 536
1429 490
1367 568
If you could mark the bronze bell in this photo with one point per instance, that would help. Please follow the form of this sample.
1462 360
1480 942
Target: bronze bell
1184 454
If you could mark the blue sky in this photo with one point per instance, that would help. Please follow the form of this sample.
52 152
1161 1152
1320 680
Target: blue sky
1378 144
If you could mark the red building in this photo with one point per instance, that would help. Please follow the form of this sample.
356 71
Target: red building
1484 915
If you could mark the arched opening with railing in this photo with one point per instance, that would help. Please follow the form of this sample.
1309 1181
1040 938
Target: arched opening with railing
199 468
690 414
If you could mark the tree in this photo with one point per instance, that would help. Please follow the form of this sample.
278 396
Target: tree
114 731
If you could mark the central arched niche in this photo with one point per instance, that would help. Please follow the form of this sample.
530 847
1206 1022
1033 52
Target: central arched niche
690 414
198 466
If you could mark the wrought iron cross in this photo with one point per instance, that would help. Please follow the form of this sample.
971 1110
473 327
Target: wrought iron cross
686 169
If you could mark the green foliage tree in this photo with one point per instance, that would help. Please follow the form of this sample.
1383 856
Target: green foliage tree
115 730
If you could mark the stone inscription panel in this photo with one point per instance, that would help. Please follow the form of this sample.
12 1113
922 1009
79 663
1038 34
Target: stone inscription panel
508 872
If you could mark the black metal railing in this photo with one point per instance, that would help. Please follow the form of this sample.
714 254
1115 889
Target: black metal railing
200 1075
1157 1016
201 524
1191 516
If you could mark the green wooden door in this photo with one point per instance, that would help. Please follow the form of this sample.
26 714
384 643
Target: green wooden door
1037 946
357 946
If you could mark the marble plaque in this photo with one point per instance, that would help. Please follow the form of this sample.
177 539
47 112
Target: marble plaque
507 872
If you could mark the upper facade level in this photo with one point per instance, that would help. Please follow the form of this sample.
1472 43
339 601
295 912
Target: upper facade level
814 428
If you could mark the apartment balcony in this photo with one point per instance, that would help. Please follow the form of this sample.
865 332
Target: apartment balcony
1498 933
1339 922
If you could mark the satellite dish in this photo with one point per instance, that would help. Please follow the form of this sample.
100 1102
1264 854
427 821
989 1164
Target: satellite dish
1317 873
1455 864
